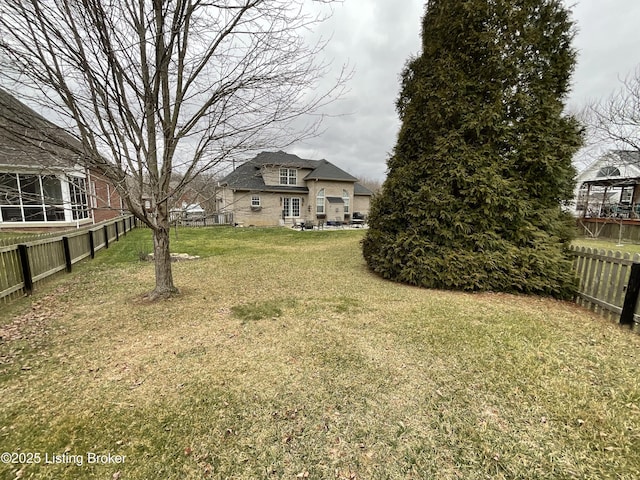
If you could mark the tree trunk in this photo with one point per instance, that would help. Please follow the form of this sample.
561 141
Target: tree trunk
162 257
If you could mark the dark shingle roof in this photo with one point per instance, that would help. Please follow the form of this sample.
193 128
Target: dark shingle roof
361 190
29 140
328 171
248 176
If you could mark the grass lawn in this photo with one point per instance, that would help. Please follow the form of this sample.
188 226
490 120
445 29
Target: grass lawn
284 358
607 245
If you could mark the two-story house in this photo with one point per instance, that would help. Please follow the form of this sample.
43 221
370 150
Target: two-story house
278 188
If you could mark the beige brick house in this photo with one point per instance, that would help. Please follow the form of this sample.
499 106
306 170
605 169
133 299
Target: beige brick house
278 188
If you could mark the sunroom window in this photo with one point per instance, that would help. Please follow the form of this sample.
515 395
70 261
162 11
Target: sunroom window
78 191
41 198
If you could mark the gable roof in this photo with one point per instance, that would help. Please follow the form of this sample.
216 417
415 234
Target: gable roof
248 176
29 140
614 168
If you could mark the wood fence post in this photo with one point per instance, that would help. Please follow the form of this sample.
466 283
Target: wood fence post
106 237
631 296
67 253
115 224
23 251
92 244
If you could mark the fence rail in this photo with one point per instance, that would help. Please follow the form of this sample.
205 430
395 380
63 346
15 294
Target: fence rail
24 265
183 219
603 281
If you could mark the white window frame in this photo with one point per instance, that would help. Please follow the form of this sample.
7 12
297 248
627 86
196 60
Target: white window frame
289 208
346 199
288 176
42 203
80 207
255 201
320 202
626 194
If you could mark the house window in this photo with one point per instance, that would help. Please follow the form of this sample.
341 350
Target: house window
320 202
626 195
345 199
291 207
31 194
78 191
10 205
608 171
255 201
53 199
30 198
288 176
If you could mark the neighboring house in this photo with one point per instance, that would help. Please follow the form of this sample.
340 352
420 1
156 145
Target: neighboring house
43 184
277 188
610 187
187 211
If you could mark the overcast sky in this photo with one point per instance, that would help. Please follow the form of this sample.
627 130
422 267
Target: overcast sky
377 37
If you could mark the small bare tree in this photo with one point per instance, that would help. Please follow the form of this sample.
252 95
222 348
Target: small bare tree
152 88
206 192
372 183
615 120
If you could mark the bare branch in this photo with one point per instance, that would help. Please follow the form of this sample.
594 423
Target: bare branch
151 88
615 120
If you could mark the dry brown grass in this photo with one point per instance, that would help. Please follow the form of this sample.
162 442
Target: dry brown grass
283 357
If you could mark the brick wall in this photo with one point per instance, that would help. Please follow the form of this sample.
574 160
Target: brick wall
106 201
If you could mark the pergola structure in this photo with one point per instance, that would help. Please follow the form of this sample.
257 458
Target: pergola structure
608 192
610 198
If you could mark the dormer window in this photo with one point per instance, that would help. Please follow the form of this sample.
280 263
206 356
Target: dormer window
288 176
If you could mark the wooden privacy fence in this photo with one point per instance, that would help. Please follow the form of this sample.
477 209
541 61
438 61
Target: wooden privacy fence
183 219
25 264
608 283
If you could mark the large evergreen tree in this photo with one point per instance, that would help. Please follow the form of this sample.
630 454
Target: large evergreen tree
482 164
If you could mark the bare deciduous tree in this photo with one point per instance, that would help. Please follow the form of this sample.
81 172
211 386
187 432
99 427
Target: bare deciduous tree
615 121
155 87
